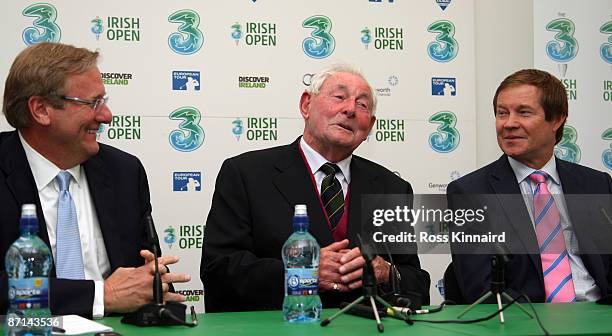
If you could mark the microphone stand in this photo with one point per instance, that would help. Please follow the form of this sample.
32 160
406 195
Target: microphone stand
498 287
370 293
157 313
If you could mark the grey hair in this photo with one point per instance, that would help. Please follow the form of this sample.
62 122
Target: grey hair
320 77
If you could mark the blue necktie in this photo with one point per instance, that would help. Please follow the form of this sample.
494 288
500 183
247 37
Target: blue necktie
69 263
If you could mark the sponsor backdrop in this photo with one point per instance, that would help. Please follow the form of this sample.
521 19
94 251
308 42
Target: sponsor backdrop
194 82
574 42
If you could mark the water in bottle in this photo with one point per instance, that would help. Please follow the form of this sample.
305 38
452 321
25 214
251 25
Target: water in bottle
301 257
28 262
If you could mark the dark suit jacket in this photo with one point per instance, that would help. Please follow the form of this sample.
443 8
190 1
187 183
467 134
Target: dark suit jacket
524 271
251 217
120 193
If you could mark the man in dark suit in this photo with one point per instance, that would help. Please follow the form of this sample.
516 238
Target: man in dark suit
55 98
527 190
255 194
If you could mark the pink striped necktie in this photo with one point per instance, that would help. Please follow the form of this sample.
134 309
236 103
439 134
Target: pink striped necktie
558 283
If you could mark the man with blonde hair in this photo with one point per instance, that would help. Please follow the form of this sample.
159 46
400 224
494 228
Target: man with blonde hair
556 247
55 99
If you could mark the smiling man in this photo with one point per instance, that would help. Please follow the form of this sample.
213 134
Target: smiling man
255 194
545 226
55 99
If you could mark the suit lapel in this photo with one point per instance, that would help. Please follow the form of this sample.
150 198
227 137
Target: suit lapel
294 183
363 182
20 180
103 197
580 211
571 186
503 181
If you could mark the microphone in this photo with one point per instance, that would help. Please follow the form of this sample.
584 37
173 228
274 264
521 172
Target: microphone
157 313
158 295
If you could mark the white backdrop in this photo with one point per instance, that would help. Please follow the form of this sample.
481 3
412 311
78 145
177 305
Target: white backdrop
574 41
140 66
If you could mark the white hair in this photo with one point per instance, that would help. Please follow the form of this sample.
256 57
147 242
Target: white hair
320 77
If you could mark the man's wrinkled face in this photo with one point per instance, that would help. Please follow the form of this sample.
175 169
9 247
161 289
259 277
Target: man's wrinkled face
340 115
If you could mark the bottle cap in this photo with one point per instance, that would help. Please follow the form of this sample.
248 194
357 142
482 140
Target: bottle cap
300 210
28 210
28 221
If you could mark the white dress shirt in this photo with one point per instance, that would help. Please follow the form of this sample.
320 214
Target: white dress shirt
316 160
584 284
95 259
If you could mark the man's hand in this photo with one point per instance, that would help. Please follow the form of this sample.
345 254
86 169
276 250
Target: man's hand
130 288
329 265
352 269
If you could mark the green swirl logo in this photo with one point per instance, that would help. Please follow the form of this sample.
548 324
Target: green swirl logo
445 48
565 47
446 138
189 38
567 149
605 50
45 29
321 44
606 156
190 135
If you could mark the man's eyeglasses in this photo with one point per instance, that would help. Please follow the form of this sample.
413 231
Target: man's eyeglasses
96 104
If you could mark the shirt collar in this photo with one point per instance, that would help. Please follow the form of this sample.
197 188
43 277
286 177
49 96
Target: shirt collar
45 171
522 171
316 160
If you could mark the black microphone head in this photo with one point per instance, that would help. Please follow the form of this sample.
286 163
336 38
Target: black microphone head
150 227
366 249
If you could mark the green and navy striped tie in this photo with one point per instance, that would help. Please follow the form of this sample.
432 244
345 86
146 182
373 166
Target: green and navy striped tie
331 194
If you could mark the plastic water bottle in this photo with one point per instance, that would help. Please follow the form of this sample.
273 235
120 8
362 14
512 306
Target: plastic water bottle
28 262
301 257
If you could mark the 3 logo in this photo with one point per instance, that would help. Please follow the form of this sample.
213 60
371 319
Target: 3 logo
321 44
188 39
45 29
445 48
605 50
190 135
446 139
606 156
567 149
565 47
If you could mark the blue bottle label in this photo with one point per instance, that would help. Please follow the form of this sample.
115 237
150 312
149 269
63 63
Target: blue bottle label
302 281
29 293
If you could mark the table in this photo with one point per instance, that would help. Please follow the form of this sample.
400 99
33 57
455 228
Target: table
585 318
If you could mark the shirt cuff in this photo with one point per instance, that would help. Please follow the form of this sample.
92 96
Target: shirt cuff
98 302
